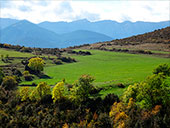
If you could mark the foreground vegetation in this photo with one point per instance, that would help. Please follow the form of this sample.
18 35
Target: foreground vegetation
144 104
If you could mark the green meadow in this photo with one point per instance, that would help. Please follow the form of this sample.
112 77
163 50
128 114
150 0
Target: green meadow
12 53
107 68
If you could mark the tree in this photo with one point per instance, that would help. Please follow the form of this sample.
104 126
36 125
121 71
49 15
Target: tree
36 64
58 91
24 93
81 90
163 68
41 90
153 91
9 82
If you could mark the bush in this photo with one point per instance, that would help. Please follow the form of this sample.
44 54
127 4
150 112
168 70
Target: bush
67 59
17 72
81 90
24 93
58 91
120 85
57 62
163 68
9 82
27 76
36 64
1 75
41 90
151 92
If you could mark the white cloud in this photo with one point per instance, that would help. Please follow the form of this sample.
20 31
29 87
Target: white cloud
38 11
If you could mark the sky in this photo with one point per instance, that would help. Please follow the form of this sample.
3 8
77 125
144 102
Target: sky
38 11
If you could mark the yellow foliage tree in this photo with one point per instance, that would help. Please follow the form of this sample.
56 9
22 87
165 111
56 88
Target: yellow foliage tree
118 115
36 64
41 90
58 91
24 93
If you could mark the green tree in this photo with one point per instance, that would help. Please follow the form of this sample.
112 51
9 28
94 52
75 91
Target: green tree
9 82
36 64
81 90
41 90
163 68
153 91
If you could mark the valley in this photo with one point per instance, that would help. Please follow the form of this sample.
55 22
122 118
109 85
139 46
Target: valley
117 83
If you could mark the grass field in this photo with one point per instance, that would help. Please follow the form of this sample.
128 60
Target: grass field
12 53
106 67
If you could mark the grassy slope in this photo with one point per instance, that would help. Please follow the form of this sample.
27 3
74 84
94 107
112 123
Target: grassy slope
110 67
12 53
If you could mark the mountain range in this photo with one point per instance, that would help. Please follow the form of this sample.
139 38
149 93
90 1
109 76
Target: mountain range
64 34
110 28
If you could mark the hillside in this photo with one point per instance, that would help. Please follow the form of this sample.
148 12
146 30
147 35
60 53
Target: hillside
157 36
157 41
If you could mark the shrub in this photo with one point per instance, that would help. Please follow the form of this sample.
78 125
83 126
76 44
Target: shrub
41 90
163 68
24 93
109 100
1 75
103 121
67 59
81 90
151 92
120 85
36 64
9 82
58 91
57 62
17 72
27 76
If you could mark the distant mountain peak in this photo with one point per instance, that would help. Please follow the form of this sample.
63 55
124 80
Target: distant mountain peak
25 22
81 20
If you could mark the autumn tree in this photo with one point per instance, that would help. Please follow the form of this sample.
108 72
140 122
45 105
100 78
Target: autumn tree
36 64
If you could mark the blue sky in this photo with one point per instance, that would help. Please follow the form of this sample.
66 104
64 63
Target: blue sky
69 10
